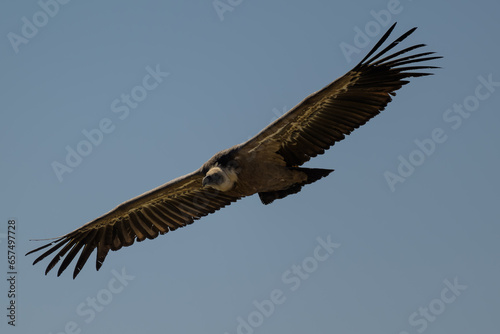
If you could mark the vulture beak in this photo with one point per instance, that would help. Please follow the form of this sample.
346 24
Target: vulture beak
206 180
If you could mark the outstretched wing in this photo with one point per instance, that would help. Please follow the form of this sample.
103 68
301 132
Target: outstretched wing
175 204
325 117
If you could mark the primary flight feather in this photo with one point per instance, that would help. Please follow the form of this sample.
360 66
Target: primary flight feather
267 164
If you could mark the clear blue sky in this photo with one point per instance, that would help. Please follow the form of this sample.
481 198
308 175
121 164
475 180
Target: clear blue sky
420 257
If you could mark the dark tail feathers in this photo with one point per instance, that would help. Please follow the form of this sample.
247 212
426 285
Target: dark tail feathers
313 175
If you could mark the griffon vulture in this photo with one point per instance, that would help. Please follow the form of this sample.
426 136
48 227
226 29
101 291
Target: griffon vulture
267 164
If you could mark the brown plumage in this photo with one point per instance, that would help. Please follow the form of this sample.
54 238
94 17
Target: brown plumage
267 164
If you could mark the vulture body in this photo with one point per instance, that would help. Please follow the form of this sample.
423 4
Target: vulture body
267 164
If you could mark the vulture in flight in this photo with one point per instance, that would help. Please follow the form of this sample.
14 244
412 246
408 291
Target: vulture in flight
267 164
